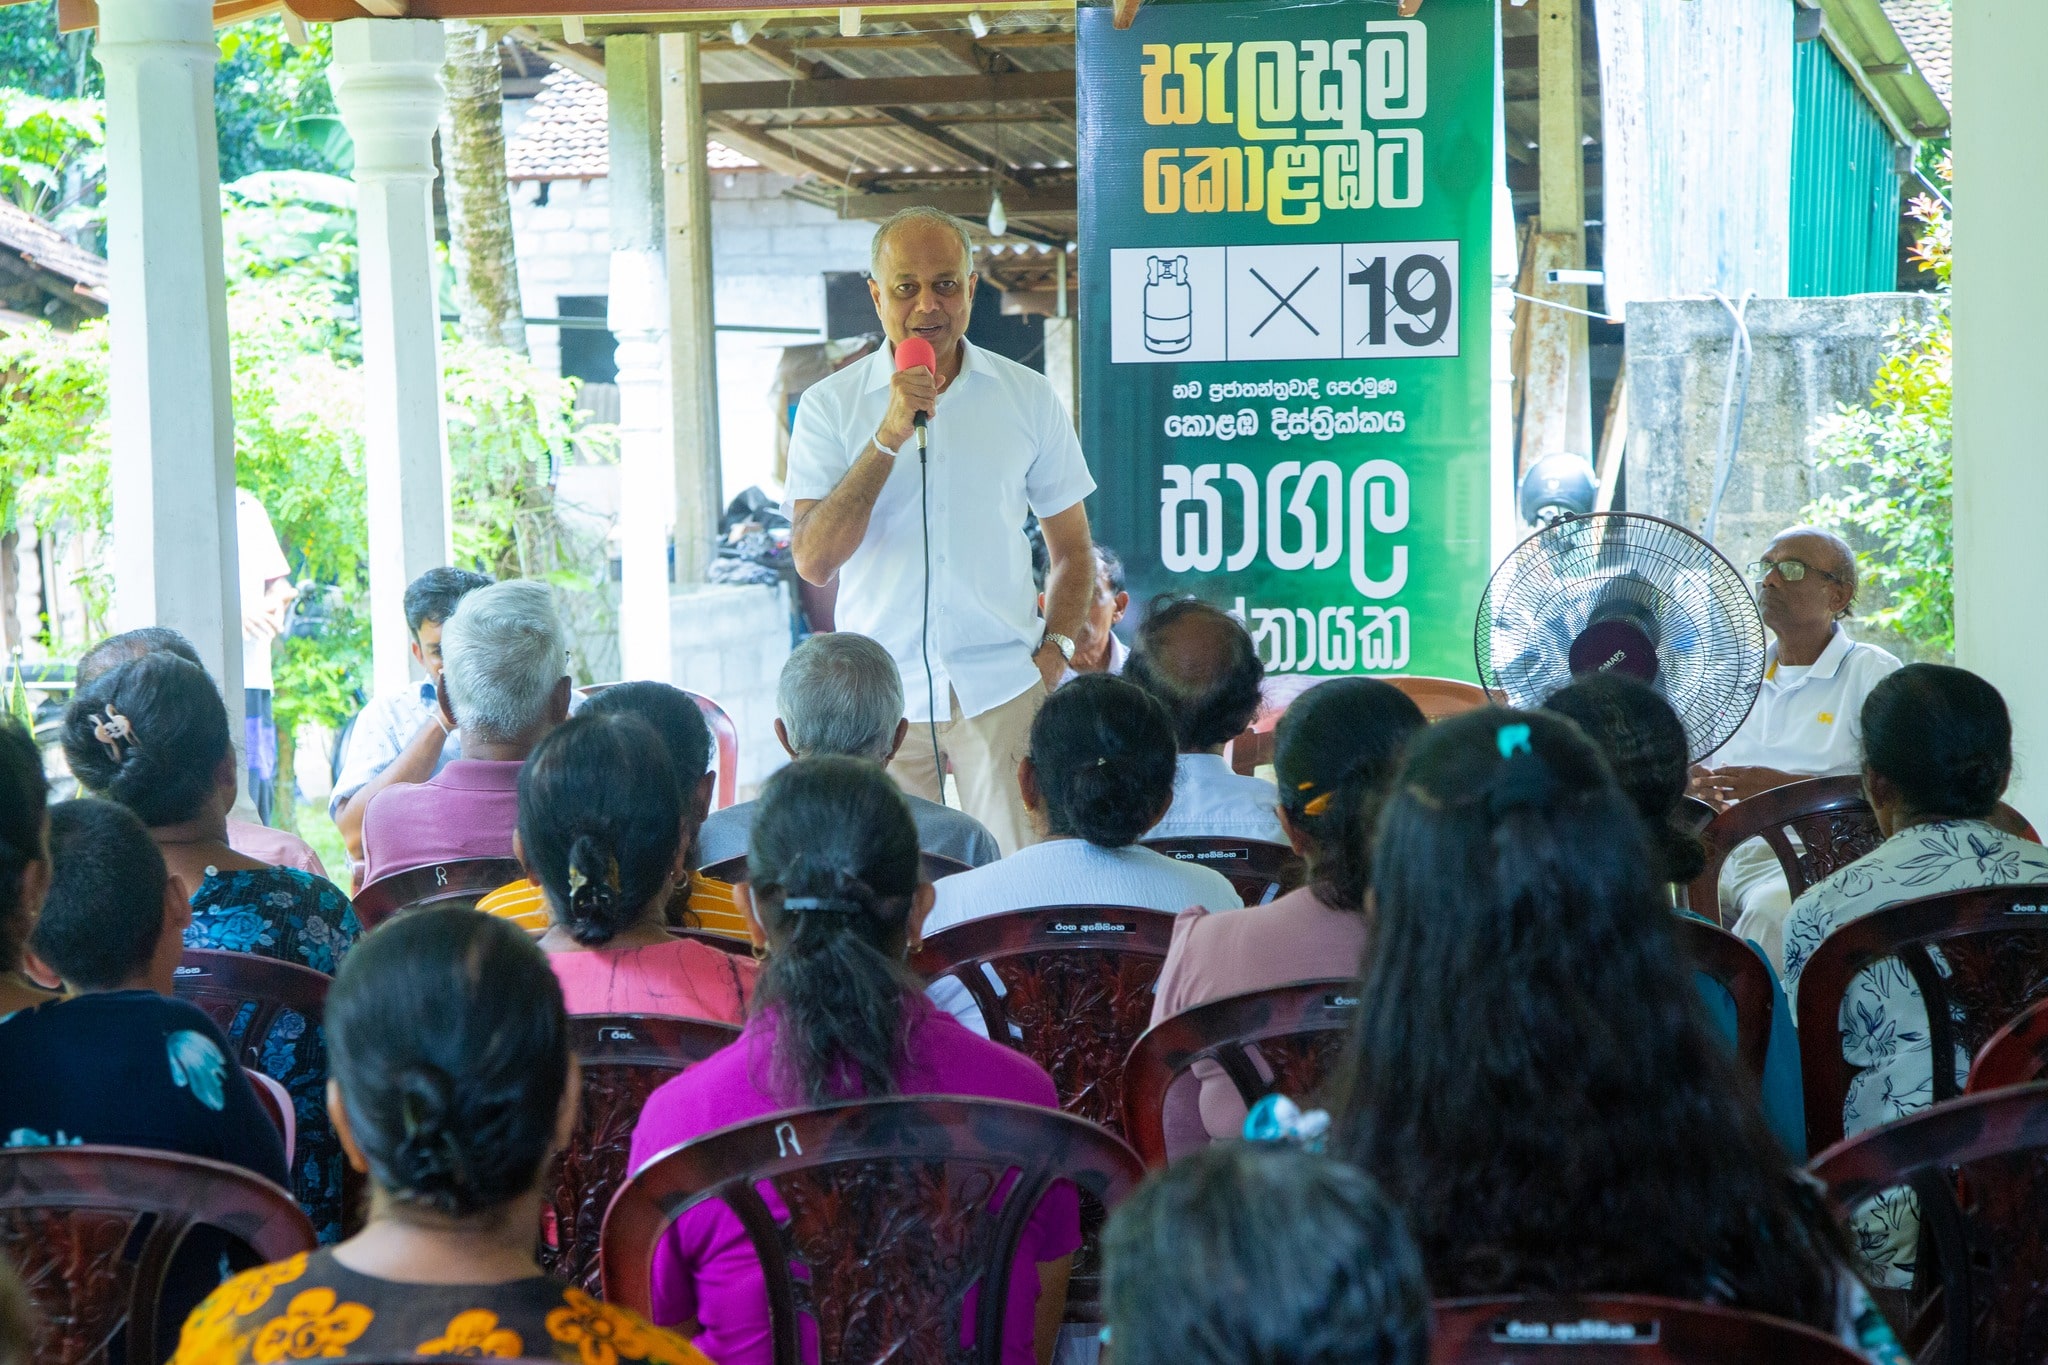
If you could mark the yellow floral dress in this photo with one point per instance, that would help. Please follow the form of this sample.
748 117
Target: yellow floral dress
312 1307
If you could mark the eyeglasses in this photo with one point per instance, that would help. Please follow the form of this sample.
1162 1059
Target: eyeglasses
1791 570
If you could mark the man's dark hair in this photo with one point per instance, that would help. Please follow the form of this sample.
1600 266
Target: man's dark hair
116 650
105 911
433 595
1943 737
674 715
1201 663
1253 1251
1110 565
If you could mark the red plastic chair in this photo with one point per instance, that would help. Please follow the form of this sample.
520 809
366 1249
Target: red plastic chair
724 735
1733 964
625 1058
734 869
892 1216
1297 1031
1994 945
1257 870
2015 1055
277 1103
1977 1165
92 1232
1077 990
1622 1329
459 881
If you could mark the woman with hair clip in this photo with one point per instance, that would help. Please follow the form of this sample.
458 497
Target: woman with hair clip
1336 752
601 832
152 735
453 1088
1531 1079
1646 749
836 896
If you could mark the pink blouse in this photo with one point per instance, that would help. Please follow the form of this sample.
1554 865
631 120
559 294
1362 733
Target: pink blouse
705 1268
680 977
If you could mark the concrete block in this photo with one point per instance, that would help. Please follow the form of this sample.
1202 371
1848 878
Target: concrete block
595 218
546 269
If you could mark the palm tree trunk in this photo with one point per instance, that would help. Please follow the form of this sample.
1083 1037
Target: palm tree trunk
479 195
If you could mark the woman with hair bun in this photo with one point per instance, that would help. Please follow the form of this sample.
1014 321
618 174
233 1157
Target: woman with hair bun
836 896
1098 776
1937 754
601 832
1336 752
453 1088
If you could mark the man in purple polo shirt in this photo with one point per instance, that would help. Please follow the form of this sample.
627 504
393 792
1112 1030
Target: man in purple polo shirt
505 683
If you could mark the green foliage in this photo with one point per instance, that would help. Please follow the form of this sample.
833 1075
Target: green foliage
52 157
53 445
38 58
272 104
1894 456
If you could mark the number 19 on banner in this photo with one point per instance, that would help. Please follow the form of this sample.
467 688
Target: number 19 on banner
1401 299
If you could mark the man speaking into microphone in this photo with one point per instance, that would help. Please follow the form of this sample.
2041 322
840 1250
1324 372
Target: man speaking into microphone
923 520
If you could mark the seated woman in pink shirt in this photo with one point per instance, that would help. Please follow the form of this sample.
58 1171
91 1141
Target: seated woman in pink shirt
604 831
836 894
1336 753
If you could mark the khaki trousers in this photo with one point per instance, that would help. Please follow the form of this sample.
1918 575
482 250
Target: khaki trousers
984 751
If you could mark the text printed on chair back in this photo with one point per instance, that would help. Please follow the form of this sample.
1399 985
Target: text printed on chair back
1258 871
1622 1329
1992 947
895 1209
624 1059
1298 1032
92 1232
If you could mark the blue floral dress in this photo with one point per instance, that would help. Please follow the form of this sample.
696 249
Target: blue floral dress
294 916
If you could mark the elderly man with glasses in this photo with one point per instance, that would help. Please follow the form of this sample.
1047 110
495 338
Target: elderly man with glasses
1807 719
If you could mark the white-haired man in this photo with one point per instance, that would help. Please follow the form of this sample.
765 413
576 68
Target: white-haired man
1807 721
505 684
978 660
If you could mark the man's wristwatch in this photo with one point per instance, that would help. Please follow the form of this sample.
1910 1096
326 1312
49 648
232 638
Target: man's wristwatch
1060 642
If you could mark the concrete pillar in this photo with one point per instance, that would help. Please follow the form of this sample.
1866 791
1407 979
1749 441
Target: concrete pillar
2001 477
386 75
173 459
1559 413
693 350
638 316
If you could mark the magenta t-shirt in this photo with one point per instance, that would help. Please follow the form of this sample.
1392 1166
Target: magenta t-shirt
705 1269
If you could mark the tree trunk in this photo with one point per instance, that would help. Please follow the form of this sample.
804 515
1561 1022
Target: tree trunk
479 195
284 805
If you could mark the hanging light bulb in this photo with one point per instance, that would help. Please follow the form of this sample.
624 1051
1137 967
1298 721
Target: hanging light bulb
998 221
977 25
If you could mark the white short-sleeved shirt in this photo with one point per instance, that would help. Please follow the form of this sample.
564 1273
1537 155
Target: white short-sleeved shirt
1001 445
260 561
1811 722
1211 801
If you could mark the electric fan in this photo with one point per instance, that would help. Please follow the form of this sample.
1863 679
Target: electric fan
1631 594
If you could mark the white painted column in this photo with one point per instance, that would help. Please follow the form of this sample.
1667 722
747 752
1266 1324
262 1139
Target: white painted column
692 333
173 462
386 75
638 313
2001 294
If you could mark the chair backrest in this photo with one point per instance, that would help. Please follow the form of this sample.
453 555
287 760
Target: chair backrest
624 1057
893 1213
1298 1031
92 1231
459 881
1621 1329
277 1103
1077 990
1993 946
1257 870
1834 824
2015 1055
726 737
248 996
1735 966
1976 1164
734 869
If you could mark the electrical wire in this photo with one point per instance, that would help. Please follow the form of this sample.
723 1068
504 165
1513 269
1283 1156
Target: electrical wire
924 629
1733 404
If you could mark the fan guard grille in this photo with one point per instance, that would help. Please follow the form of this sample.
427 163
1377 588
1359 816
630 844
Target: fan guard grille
1710 651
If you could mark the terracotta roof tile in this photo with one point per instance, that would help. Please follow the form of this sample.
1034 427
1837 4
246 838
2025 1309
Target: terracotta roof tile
564 135
1923 25
29 236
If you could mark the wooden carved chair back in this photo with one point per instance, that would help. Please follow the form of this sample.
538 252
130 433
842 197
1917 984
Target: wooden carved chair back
1296 1031
1621 1329
1735 966
2015 1055
890 1212
624 1058
1257 870
1979 1165
459 881
93 1232
1978 958
1833 825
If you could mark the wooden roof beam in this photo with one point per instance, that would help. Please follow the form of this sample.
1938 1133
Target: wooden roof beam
734 96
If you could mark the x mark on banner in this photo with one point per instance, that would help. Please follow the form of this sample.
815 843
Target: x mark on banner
1286 301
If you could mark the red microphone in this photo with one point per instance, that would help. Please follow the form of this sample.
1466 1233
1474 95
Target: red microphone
912 352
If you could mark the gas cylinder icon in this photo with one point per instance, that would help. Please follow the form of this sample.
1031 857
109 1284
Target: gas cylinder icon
1169 305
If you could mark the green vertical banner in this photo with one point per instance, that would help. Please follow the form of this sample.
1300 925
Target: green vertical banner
1285 276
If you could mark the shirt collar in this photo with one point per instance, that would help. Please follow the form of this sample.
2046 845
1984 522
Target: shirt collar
480 774
1827 665
882 364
